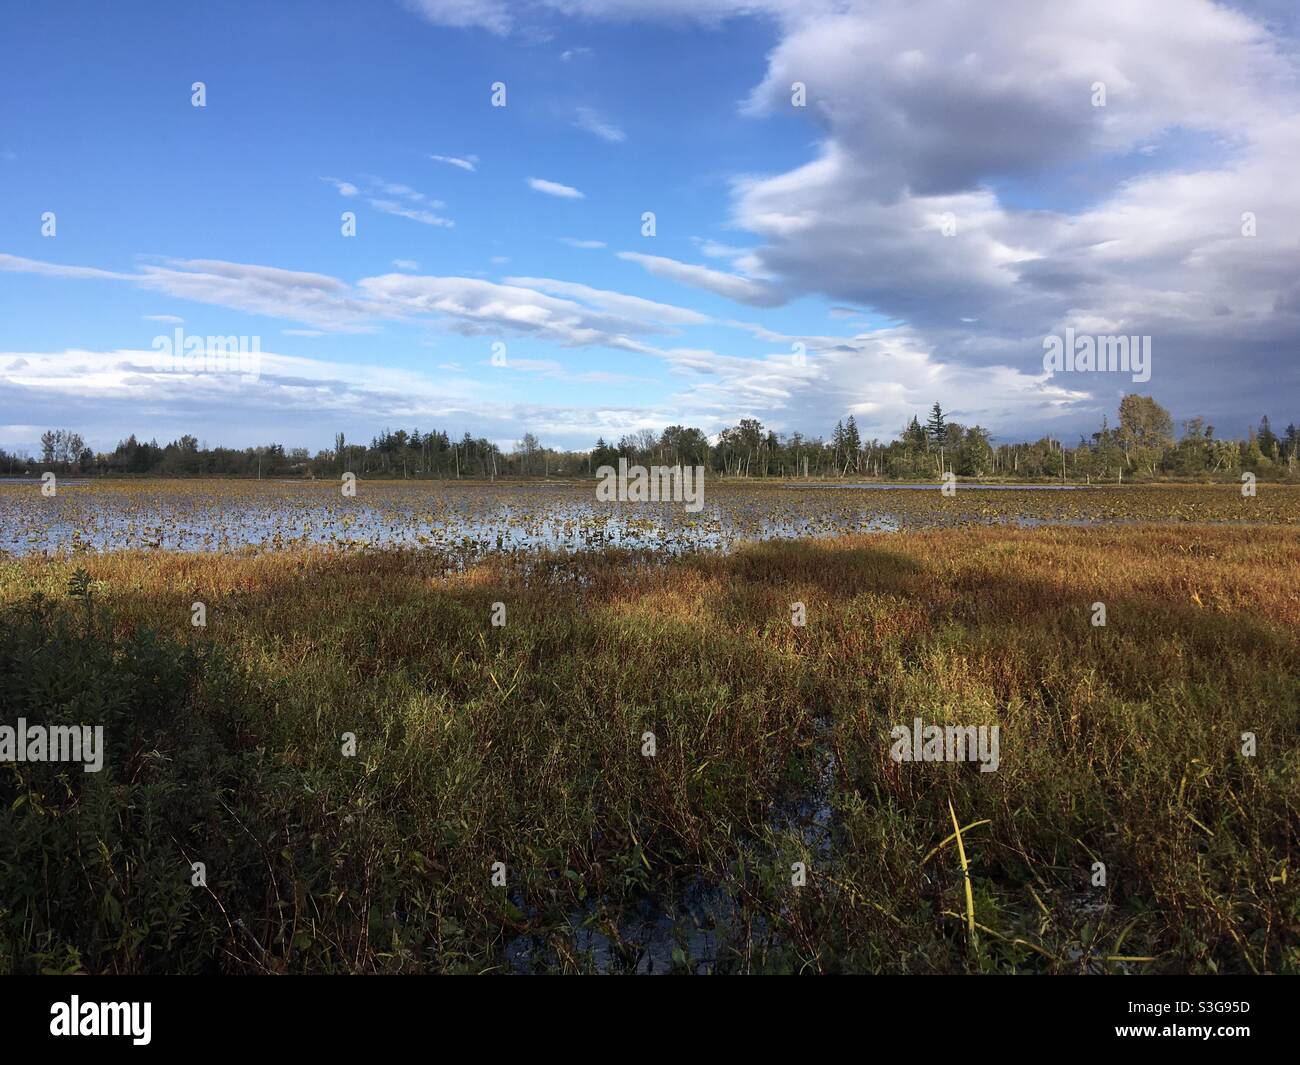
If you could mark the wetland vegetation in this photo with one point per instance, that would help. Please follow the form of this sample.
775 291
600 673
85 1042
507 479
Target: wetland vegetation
465 522
524 743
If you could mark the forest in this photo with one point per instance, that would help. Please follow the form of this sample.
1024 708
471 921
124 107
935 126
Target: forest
1141 445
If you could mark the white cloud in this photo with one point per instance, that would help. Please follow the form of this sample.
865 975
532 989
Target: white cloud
405 192
315 299
472 306
469 163
740 289
590 120
415 214
554 188
931 109
589 244
715 250
109 393
882 378
928 110
475 307
295 400
633 306
17 264
491 15
345 188
380 192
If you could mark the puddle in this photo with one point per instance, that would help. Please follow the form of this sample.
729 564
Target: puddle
655 937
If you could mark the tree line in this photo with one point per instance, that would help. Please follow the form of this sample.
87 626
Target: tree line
1142 444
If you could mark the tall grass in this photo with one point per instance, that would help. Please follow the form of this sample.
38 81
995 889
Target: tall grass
522 744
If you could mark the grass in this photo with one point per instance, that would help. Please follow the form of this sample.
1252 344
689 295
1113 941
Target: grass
522 744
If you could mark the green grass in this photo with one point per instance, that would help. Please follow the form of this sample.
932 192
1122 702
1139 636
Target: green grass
522 744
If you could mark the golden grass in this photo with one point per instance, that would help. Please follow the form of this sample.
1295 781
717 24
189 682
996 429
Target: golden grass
1120 745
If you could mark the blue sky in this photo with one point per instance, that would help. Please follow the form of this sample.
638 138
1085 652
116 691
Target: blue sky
799 271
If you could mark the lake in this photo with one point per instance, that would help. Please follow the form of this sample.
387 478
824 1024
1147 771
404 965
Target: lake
469 520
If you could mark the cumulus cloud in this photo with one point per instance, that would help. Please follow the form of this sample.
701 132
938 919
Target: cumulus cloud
930 114
883 377
104 391
964 183
960 184
109 393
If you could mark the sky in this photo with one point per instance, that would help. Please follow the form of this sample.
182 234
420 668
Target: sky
858 208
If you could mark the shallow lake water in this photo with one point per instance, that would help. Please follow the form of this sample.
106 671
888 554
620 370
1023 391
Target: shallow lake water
471 520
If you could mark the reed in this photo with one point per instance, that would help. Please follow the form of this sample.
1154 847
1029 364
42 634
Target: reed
523 744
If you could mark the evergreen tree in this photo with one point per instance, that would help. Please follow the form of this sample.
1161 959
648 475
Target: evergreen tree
935 428
914 435
852 443
1266 437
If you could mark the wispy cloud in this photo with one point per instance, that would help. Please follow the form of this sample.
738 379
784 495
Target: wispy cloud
396 188
16 264
470 162
566 313
379 195
590 120
491 15
634 307
734 287
346 188
573 242
314 299
415 214
554 188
